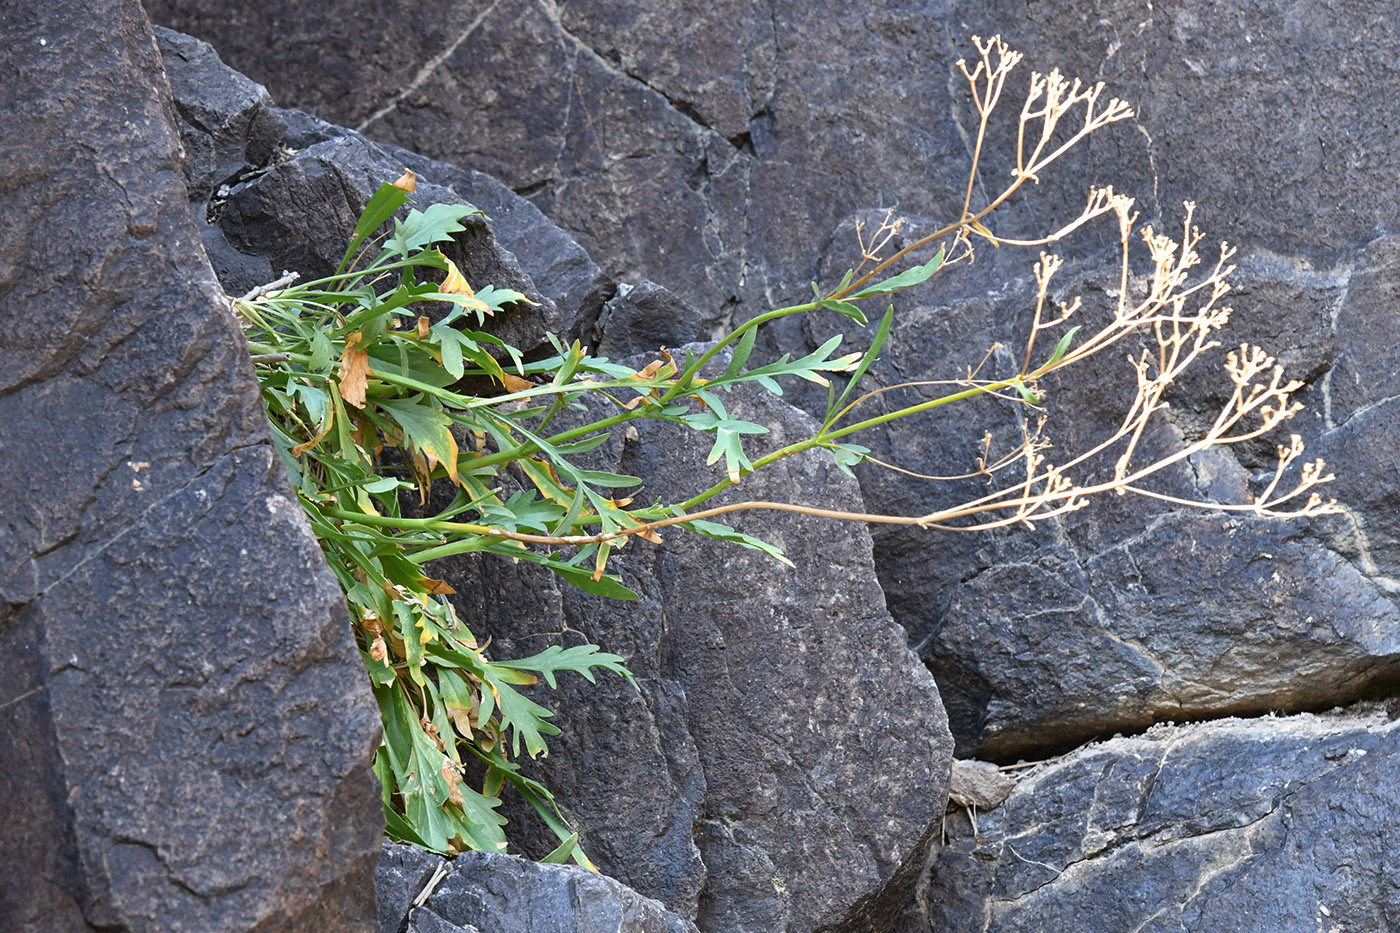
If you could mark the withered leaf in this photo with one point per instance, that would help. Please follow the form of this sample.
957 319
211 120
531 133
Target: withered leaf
437 587
406 182
515 383
455 283
354 370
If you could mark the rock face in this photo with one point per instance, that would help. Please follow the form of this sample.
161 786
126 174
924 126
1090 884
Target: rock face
788 757
725 152
484 892
1267 824
187 732
715 150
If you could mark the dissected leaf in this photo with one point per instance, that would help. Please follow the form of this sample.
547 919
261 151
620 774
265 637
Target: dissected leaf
723 532
426 428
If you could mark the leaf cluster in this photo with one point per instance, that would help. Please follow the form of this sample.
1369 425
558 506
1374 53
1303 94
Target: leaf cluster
360 375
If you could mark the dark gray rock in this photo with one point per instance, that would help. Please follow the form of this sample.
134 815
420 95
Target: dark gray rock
227 122
787 759
1125 613
187 730
1267 824
300 214
487 892
710 150
229 130
645 317
558 266
400 877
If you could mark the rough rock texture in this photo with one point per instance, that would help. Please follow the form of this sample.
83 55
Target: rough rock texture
722 150
187 731
718 150
1261 825
755 812
482 892
710 147
787 758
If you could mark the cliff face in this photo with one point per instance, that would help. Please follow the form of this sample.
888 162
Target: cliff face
785 764
187 730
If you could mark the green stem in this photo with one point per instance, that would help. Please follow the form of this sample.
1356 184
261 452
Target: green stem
683 381
825 437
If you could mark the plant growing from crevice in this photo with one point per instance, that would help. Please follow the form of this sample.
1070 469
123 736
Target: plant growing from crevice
360 379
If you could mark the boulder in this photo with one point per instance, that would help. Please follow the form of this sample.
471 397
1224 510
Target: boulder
1264 824
707 147
187 729
488 892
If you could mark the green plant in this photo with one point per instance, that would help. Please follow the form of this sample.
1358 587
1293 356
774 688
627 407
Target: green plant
351 370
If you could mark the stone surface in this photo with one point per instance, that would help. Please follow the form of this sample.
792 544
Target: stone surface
227 122
1261 825
402 874
557 265
979 784
720 150
187 730
487 892
645 317
707 147
787 759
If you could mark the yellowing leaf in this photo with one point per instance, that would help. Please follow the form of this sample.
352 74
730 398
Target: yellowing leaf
438 587
462 719
515 383
455 284
354 370
406 181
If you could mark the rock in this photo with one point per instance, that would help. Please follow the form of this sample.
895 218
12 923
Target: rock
1265 824
558 266
786 762
301 213
487 892
709 151
979 784
1127 612
403 873
227 122
645 317
301 216
187 729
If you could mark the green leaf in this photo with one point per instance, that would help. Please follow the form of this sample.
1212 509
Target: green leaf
905 279
315 400
380 208
425 427
1062 347
1030 397
580 658
322 352
723 532
845 308
882 333
525 718
847 456
421 229
741 353
561 854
